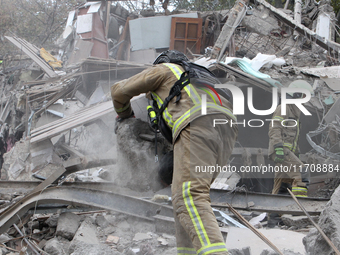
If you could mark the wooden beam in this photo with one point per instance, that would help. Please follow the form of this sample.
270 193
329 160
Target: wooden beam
108 7
235 17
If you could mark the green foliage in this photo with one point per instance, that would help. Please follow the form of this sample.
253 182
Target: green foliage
38 21
336 5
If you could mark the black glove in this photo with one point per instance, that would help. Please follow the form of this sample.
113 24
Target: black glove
120 119
279 153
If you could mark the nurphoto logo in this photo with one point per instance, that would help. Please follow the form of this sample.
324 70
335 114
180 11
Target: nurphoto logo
238 106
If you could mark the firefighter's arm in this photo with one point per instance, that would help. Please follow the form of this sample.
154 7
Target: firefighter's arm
276 134
122 92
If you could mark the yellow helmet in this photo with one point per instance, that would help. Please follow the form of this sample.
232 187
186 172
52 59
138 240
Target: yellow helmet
300 84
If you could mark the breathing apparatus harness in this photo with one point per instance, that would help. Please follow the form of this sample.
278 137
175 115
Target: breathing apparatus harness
196 75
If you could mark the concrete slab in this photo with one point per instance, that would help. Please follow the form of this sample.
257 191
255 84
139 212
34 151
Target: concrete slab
283 239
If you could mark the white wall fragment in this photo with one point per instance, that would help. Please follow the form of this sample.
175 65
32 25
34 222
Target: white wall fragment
84 23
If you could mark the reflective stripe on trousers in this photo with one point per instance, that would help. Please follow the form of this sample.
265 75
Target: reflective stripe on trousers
207 246
185 251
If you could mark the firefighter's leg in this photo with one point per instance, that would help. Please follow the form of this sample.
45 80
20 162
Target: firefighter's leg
198 146
281 181
300 179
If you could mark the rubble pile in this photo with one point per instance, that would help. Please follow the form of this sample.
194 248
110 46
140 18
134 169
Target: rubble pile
328 222
138 158
92 233
58 143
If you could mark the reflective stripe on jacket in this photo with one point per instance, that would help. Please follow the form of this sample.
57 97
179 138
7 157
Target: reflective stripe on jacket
286 134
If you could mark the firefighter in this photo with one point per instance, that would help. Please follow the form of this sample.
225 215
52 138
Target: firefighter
196 144
284 146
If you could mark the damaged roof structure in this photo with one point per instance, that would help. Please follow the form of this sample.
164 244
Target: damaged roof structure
63 190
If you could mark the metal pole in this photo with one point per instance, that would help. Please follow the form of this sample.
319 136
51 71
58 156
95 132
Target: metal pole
25 239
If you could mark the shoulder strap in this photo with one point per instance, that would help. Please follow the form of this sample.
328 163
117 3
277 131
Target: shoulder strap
176 90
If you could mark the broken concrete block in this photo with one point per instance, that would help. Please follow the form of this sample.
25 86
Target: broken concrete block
172 251
260 22
283 239
93 249
284 251
329 222
297 221
112 240
33 225
123 226
68 224
101 221
136 157
146 248
141 237
162 241
268 252
164 224
42 153
131 252
120 247
52 221
14 157
16 168
86 234
109 230
243 251
256 221
4 238
105 175
42 243
6 197
3 251
54 247
4 202
290 252
251 204
170 239
111 219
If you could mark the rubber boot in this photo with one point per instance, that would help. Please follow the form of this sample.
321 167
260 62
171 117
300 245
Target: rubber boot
283 188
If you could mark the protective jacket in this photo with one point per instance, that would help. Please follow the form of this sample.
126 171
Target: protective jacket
158 80
287 134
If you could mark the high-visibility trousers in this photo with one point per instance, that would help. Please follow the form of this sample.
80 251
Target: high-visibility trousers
292 173
199 147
